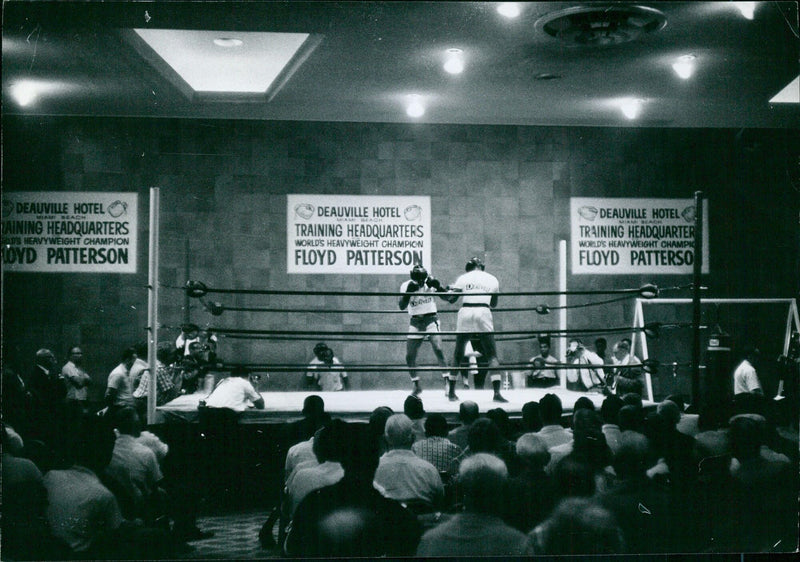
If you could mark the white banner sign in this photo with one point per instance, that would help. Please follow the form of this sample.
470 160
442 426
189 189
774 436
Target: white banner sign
634 236
357 233
70 231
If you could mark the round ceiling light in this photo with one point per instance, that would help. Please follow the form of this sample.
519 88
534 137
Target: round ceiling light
599 25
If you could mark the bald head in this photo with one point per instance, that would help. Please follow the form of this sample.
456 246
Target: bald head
532 449
399 431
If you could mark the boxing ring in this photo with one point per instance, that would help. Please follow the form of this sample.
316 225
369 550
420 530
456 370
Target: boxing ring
357 405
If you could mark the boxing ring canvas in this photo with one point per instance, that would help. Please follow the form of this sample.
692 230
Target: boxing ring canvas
357 405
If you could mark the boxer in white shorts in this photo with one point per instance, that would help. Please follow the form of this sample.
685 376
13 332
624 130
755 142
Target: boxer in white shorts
419 300
475 319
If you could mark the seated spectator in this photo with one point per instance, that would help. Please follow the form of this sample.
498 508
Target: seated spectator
583 403
25 533
402 475
189 333
677 448
688 422
631 418
412 407
531 419
314 417
436 448
577 526
467 413
139 365
640 506
609 411
326 372
573 478
351 518
507 448
587 374
85 515
327 449
530 494
538 376
134 470
627 373
479 529
766 490
552 431
588 447
377 425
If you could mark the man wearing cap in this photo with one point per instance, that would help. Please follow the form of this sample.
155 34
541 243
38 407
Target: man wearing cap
478 289
418 298
325 371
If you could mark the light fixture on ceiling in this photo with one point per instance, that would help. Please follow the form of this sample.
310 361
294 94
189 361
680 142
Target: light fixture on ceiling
455 61
748 9
228 42
24 92
631 107
509 10
415 107
684 66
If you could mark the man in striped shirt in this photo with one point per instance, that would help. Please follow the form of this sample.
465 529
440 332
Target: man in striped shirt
436 448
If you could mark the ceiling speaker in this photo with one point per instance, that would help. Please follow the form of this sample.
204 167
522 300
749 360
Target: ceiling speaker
600 25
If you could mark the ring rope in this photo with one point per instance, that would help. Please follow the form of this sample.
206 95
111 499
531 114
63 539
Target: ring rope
197 289
260 367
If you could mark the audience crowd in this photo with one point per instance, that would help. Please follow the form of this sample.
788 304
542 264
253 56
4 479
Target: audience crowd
617 479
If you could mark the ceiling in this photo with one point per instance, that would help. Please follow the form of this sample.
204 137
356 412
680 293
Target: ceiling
368 58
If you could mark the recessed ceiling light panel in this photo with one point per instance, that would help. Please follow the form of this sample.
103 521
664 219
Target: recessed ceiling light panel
214 61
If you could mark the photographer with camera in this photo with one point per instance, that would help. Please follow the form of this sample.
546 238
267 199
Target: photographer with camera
588 375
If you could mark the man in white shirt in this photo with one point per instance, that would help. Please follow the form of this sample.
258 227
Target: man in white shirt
745 378
402 475
589 374
325 371
539 376
420 301
478 289
235 393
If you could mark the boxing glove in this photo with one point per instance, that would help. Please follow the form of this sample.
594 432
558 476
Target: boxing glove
434 284
412 287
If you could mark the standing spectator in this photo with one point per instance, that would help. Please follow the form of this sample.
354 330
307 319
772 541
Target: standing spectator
16 401
167 384
118 391
401 474
436 448
539 377
418 297
475 320
413 408
139 365
468 412
326 372
479 529
745 378
47 398
77 382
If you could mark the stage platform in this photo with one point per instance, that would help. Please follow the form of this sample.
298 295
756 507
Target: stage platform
357 405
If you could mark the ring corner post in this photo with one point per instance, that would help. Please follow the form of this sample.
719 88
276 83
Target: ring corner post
152 303
696 287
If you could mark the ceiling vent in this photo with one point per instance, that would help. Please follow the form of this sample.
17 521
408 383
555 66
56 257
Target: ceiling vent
603 25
